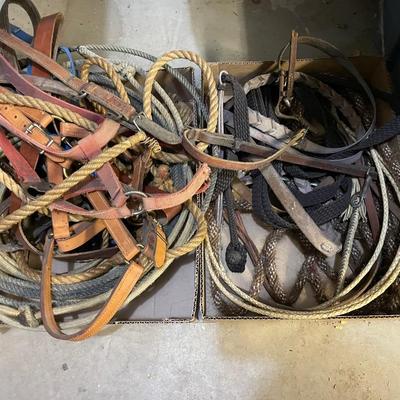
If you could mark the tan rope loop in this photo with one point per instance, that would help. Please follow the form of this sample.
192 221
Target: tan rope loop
211 87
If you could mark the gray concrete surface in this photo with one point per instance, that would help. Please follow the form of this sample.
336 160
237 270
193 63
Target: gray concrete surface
348 359
257 360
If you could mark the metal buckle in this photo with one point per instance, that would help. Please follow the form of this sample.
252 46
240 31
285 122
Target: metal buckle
29 129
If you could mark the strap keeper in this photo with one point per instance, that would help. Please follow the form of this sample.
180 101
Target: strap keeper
49 143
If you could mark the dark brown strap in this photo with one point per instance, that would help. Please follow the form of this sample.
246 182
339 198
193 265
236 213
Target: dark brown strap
195 135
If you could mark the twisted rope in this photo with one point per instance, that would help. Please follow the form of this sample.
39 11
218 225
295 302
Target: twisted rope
13 186
54 109
75 178
212 94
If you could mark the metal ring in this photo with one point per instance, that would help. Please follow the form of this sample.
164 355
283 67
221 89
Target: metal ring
136 193
223 72
356 200
140 194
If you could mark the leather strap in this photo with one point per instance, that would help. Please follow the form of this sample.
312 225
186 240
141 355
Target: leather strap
158 200
168 200
94 92
33 14
26 129
342 60
45 39
83 232
119 232
24 86
117 298
24 171
190 137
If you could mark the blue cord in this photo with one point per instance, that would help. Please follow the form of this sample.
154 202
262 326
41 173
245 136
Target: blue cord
67 51
20 34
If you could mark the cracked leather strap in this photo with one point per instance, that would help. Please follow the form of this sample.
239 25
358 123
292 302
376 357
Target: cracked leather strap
117 298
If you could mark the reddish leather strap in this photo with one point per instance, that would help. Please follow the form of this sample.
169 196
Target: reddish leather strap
24 86
168 200
24 171
45 39
94 92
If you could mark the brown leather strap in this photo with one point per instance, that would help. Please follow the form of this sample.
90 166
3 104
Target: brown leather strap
45 40
23 85
59 219
72 131
124 240
139 169
35 115
83 232
168 200
27 129
117 298
80 152
158 200
94 92
190 138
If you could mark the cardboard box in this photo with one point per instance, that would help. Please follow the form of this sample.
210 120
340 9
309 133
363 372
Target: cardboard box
374 72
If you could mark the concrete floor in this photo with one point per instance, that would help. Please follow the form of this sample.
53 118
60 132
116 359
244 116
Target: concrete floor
258 360
349 359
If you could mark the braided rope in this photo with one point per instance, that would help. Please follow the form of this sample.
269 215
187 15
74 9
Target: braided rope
54 109
330 308
13 186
